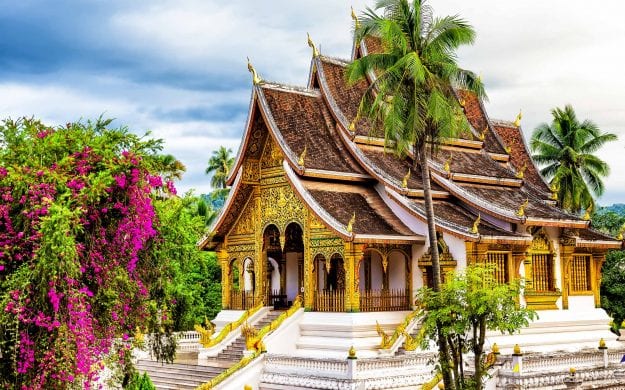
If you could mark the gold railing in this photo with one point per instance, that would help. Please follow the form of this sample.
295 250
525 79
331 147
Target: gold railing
205 334
242 300
429 385
384 300
387 341
333 301
257 344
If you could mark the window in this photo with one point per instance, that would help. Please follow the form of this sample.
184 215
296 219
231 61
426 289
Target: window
500 261
579 273
542 265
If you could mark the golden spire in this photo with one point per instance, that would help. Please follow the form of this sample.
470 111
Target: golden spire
521 173
447 165
312 45
586 216
350 224
521 211
404 182
302 156
255 78
517 121
476 224
355 19
482 135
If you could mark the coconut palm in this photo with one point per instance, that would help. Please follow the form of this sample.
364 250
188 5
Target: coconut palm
219 165
566 148
412 97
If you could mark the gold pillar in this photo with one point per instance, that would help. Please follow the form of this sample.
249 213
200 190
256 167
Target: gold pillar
353 252
595 276
309 285
566 257
222 257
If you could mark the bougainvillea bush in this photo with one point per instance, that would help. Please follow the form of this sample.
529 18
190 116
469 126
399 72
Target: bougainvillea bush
77 233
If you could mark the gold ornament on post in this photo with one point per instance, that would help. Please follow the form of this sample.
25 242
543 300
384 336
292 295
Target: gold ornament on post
516 350
476 224
517 121
315 51
521 173
521 211
404 182
302 156
495 348
351 354
350 224
255 78
602 344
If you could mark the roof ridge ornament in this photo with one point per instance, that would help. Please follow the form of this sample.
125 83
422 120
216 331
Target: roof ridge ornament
355 19
404 182
255 78
521 173
521 211
447 165
554 191
350 224
315 51
517 121
482 135
302 156
586 216
476 224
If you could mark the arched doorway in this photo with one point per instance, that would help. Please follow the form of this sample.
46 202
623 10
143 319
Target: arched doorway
294 262
234 273
274 268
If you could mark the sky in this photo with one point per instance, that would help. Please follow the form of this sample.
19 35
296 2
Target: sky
178 68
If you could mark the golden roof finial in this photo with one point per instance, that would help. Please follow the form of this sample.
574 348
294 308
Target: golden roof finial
312 45
447 165
554 191
586 216
462 103
255 78
521 173
521 211
350 224
517 121
482 135
355 18
619 236
352 126
476 224
302 156
404 182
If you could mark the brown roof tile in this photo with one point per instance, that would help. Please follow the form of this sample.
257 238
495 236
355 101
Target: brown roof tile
471 163
477 118
519 155
304 121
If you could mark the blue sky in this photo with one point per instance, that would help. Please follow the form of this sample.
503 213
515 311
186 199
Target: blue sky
178 68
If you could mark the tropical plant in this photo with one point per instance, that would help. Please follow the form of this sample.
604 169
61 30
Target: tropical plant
220 165
613 287
566 147
412 97
469 304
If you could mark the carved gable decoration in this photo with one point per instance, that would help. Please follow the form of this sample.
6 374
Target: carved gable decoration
272 155
280 206
541 243
245 223
446 259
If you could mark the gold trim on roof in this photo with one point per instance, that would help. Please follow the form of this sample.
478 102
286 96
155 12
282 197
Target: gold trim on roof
255 78
482 135
447 165
355 18
315 51
404 182
350 224
521 211
476 224
302 156
517 121
521 173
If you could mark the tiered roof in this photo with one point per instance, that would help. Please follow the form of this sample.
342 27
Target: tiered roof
340 168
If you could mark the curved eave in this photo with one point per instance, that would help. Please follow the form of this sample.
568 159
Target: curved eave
603 244
247 134
217 224
442 225
486 207
478 179
380 239
327 219
510 240
334 175
580 224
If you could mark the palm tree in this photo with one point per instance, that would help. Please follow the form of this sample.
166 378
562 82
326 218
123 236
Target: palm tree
220 164
566 149
412 98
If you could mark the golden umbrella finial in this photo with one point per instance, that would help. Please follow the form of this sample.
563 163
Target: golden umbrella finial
255 78
355 18
315 51
517 121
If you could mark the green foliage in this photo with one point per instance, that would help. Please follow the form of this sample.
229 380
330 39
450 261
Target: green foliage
219 165
567 148
140 382
194 288
609 219
613 287
468 304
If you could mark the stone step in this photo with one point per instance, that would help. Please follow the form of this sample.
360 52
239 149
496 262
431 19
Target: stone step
204 372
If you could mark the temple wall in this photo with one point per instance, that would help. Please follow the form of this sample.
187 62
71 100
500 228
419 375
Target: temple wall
396 271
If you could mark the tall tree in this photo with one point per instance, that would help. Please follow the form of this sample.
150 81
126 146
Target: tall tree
566 147
220 165
412 97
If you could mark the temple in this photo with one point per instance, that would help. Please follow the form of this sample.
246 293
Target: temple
320 208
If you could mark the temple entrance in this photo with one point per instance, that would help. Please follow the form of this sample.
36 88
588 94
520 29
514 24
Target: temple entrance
330 280
294 262
274 268
384 281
